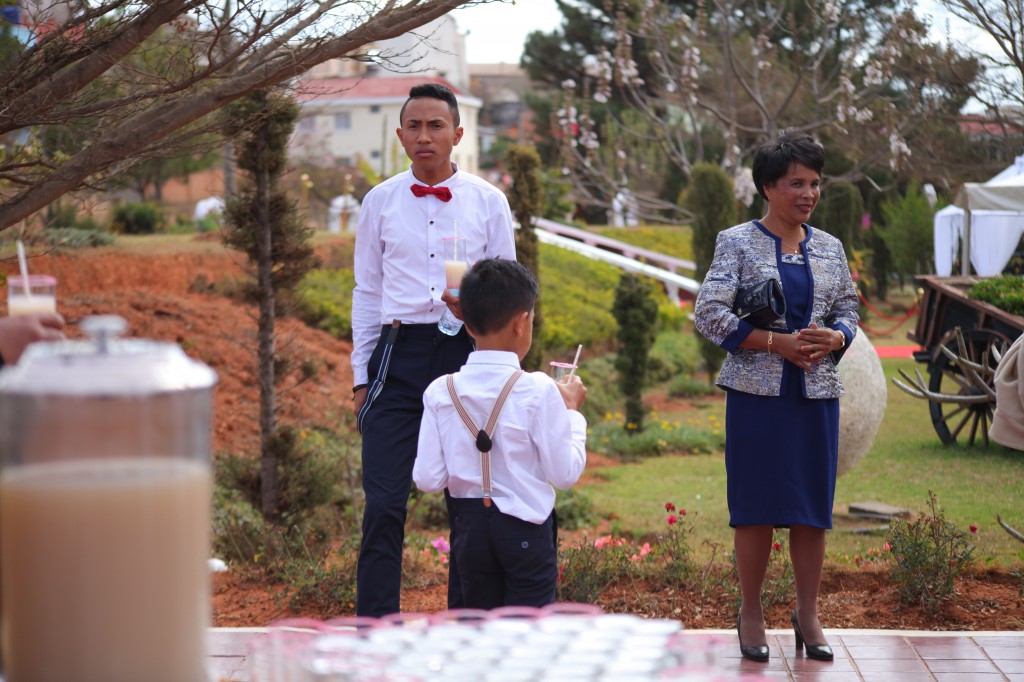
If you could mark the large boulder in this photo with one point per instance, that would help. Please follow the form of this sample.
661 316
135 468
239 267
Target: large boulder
863 405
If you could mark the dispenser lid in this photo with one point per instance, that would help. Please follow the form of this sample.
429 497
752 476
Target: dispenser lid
105 365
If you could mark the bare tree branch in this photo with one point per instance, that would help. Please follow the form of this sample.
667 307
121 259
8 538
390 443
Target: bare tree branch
129 111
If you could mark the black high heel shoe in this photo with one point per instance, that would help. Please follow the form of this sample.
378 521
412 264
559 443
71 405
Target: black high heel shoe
821 652
754 653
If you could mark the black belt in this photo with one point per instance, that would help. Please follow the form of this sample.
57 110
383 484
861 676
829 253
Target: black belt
425 330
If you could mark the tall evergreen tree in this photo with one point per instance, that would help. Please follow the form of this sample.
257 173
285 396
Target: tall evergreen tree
710 199
637 314
526 197
263 223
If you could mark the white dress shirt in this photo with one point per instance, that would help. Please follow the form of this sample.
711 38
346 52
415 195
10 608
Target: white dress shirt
399 256
537 441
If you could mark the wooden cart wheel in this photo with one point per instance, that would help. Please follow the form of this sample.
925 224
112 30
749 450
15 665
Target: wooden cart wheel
955 422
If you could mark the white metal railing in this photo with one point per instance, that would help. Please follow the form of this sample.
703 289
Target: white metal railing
670 263
674 283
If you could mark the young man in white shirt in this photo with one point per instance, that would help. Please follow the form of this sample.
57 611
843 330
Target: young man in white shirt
397 349
504 542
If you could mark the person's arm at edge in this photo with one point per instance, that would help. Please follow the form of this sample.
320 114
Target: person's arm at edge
845 315
712 311
366 297
429 472
501 237
560 437
19 331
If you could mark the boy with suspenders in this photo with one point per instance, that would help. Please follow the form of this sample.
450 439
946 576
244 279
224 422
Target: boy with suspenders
498 439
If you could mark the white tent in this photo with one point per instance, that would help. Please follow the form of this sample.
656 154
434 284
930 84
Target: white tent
994 223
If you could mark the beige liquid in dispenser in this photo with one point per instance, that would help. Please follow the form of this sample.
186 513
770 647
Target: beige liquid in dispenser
104 570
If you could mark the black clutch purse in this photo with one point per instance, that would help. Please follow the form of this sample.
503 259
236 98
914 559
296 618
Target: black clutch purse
760 304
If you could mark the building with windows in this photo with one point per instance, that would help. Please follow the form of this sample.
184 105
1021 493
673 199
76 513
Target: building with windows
350 121
350 107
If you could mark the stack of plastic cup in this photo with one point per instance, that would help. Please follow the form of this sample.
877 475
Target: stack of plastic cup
558 643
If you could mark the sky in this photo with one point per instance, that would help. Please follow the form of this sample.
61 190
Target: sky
496 32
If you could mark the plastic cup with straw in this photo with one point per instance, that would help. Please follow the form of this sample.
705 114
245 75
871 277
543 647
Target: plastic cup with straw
455 266
563 371
30 294
576 360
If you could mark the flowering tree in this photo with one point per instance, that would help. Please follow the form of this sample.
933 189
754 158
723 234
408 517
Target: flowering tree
1003 22
711 81
138 78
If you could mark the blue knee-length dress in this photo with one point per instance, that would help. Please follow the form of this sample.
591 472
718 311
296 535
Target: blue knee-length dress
781 452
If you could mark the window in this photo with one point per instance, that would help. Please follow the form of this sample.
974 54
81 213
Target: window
375 154
374 108
343 121
307 124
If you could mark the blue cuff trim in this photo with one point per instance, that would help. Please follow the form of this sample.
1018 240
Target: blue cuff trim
837 355
733 341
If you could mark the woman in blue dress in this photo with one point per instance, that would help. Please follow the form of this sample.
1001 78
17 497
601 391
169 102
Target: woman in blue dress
782 384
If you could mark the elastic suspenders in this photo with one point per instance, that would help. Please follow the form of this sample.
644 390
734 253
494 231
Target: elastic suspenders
483 436
377 385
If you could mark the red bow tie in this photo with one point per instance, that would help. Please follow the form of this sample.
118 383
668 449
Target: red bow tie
442 193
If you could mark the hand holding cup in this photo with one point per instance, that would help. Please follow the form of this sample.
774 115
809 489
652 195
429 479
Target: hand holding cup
17 332
573 392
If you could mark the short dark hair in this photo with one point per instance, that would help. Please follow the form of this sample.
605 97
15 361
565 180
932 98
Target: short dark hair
434 91
494 291
773 159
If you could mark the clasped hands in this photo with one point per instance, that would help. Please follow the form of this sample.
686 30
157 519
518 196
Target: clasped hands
809 346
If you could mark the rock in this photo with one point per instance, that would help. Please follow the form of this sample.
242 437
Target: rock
862 407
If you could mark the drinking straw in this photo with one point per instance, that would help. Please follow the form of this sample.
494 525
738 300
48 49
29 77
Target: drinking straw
456 246
576 359
23 264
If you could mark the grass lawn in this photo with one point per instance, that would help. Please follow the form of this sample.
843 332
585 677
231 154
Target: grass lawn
905 462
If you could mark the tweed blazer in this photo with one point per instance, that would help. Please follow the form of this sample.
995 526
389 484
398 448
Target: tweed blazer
747 254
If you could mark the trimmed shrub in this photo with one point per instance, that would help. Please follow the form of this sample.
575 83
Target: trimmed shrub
636 312
141 218
710 199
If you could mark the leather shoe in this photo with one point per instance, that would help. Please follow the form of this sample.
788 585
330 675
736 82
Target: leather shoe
820 652
753 653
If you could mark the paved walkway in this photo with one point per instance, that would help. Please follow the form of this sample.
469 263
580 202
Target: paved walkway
861 656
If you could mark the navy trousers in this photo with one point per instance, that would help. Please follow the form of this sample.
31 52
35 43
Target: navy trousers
390 425
502 560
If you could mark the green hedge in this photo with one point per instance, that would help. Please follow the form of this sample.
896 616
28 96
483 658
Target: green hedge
576 293
141 218
326 301
1005 292
669 240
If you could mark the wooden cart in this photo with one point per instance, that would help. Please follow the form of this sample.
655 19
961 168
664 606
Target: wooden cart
959 389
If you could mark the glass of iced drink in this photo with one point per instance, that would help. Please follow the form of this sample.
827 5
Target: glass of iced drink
37 294
455 265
